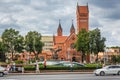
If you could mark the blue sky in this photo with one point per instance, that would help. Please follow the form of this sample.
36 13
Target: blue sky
43 16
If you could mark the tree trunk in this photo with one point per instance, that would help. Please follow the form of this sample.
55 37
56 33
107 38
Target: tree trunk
35 56
88 58
82 58
12 56
96 58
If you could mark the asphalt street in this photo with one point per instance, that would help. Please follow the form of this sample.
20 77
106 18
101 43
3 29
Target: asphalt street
60 77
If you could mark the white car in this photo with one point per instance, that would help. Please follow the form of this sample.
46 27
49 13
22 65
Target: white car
68 64
48 62
3 71
111 69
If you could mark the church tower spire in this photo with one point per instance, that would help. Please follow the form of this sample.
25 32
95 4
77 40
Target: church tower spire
59 30
72 29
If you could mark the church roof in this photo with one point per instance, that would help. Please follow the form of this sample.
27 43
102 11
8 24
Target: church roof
60 39
72 27
71 37
59 26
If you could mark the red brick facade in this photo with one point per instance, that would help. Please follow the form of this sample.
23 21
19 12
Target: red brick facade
82 17
66 43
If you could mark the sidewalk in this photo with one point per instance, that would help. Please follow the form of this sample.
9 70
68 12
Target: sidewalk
50 73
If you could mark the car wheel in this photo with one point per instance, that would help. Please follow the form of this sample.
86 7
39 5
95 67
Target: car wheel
1 74
96 74
118 73
102 73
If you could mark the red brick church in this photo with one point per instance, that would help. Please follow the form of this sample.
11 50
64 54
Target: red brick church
66 43
63 46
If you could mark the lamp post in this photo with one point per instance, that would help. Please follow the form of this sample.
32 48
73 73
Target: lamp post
105 56
68 54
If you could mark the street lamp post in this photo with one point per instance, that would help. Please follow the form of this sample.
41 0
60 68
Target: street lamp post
105 56
104 59
68 54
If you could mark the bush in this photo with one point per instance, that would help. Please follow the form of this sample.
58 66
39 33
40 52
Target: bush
94 65
29 67
32 67
68 68
57 68
87 67
19 62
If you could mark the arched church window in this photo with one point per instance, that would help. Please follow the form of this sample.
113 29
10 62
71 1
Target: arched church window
73 38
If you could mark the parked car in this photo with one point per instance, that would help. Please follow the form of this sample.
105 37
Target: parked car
51 62
69 64
3 71
110 69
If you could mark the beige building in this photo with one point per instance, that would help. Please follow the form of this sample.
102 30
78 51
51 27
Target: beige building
48 42
109 52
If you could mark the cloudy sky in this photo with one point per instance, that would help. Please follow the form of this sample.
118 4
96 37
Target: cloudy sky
43 16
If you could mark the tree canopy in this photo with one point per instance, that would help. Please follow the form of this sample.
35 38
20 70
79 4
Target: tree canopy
2 52
33 43
12 41
82 43
97 42
90 42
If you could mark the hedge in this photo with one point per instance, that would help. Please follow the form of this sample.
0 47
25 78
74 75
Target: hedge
60 68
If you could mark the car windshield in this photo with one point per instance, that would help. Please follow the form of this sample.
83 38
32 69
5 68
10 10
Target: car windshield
1 68
105 67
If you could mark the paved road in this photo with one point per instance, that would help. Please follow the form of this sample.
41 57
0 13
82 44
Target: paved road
60 77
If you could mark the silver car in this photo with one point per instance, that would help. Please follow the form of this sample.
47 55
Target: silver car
110 69
69 64
3 71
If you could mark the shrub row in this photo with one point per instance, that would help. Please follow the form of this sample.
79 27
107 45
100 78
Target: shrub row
60 68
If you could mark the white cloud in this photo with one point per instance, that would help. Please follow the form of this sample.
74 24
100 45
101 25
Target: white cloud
7 20
43 16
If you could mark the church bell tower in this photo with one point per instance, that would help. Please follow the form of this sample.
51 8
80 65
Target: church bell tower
82 16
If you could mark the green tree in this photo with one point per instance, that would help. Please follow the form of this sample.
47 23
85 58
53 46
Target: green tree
19 44
114 59
2 52
97 43
10 38
33 43
82 43
118 59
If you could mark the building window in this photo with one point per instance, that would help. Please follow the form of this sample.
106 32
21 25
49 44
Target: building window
59 47
83 15
72 46
73 38
23 56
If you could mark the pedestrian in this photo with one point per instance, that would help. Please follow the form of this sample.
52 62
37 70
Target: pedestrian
14 66
11 67
103 65
37 67
71 67
44 64
8 67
